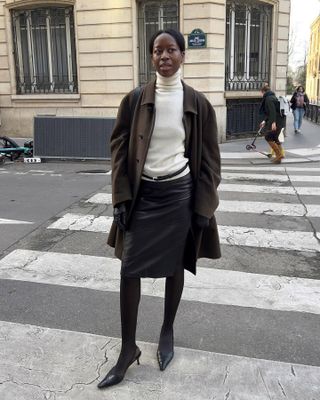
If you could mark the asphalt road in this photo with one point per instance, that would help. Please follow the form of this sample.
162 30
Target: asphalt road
32 193
259 302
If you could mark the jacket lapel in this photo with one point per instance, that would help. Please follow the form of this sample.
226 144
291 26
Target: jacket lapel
189 109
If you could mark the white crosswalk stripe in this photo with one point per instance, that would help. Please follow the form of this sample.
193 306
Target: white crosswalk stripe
233 187
270 238
78 222
270 177
304 154
34 172
100 198
5 221
88 357
306 151
255 207
303 191
230 235
262 207
209 286
278 168
256 155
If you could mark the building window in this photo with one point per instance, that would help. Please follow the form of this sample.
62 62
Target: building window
248 44
152 16
44 50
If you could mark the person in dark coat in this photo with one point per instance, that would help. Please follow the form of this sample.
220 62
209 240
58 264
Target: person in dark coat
273 121
165 175
299 103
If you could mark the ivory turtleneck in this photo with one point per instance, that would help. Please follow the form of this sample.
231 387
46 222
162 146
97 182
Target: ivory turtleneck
167 145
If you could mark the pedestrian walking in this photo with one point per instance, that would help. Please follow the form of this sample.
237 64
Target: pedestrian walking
165 174
299 103
273 121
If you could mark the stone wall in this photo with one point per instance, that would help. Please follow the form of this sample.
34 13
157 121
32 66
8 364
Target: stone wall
107 60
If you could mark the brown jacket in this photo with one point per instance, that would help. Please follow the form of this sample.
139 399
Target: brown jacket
129 151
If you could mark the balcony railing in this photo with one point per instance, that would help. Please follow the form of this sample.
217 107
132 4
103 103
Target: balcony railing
313 113
244 84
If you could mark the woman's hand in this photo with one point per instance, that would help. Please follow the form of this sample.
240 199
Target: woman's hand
120 216
274 126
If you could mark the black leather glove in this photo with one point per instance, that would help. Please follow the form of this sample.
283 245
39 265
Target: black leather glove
120 216
200 221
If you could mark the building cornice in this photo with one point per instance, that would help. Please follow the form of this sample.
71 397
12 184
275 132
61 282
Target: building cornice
39 3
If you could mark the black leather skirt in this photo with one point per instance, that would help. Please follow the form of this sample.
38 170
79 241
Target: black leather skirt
155 241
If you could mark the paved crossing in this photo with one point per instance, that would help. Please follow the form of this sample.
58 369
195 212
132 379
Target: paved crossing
248 323
293 155
35 172
232 235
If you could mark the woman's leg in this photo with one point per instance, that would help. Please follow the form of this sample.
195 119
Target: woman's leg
273 140
130 292
296 119
173 292
301 114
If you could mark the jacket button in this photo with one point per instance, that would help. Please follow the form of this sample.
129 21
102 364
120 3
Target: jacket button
141 137
137 160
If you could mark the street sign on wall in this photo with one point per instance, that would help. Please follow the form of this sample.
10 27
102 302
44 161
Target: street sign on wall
197 39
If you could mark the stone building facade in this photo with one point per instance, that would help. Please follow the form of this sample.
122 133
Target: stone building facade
79 57
313 64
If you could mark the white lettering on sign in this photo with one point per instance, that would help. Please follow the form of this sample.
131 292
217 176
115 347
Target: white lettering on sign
32 160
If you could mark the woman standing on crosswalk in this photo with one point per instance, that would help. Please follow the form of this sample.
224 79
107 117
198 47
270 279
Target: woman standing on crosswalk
165 174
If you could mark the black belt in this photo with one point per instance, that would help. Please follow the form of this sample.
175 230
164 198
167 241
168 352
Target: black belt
161 178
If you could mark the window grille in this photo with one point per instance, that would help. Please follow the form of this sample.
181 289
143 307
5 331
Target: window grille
44 50
152 16
248 44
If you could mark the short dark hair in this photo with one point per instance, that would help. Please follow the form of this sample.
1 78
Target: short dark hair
265 87
178 37
298 87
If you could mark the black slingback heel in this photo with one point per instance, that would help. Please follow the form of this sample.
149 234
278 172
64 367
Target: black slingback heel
113 378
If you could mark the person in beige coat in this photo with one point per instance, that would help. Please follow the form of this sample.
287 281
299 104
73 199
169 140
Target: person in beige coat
165 174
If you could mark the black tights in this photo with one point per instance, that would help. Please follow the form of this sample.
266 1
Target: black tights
130 292
173 292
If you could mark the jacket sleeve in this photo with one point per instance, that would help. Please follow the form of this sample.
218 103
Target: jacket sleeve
206 194
306 100
271 111
119 144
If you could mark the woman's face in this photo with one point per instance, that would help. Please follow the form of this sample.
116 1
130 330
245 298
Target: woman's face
300 89
166 56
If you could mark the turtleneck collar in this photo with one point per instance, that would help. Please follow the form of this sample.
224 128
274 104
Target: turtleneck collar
171 83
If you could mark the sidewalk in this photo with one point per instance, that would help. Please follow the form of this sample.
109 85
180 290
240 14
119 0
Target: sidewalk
303 147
